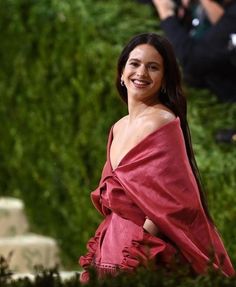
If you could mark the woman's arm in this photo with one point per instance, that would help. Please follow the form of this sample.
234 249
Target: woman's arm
213 10
207 54
165 8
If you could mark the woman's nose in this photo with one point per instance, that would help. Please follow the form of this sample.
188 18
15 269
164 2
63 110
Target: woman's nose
141 71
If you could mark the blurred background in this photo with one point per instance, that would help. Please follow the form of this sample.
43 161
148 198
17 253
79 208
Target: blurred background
58 101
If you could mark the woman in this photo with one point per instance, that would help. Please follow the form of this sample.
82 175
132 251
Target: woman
149 192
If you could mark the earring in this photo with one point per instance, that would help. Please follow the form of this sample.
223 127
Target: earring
122 83
163 90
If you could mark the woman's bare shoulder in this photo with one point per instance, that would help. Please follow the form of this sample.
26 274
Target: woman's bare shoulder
159 118
119 124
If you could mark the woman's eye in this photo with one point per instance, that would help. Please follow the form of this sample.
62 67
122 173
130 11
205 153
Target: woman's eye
134 64
153 67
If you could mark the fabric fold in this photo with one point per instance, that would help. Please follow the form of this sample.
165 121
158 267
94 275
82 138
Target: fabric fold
155 180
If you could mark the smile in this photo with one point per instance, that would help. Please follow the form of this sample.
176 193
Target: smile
140 83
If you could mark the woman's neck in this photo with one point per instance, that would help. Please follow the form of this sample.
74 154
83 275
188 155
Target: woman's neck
137 109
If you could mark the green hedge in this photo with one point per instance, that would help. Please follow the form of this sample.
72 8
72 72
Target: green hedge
143 277
57 74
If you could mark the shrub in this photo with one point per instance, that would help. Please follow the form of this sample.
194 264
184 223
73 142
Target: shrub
142 277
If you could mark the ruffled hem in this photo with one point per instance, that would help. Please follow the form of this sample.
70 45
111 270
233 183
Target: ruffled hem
144 252
106 269
86 260
102 270
84 277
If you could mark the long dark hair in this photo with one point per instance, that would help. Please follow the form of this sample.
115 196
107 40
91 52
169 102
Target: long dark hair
172 96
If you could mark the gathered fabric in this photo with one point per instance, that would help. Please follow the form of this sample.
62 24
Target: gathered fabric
155 180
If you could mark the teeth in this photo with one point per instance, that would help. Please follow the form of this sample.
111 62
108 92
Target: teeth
140 82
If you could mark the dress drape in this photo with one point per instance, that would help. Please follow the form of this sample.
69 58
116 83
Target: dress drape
153 180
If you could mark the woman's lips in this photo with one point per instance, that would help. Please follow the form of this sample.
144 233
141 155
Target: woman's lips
140 83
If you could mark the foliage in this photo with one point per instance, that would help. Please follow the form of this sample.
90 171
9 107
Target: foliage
148 277
58 101
5 272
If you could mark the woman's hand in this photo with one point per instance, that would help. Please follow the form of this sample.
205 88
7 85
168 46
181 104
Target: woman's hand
165 8
150 227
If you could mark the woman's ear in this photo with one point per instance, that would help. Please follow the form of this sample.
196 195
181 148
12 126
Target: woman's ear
163 85
122 80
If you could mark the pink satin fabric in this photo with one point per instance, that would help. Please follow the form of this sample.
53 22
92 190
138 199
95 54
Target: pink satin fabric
154 180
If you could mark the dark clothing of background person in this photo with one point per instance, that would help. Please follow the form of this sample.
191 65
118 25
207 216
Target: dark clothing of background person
206 60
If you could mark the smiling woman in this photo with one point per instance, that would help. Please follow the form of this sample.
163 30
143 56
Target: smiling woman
150 193
143 73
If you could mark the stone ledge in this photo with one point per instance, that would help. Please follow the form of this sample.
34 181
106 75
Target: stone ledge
26 239
29 251
12 218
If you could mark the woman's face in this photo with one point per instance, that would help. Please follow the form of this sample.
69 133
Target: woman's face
143 74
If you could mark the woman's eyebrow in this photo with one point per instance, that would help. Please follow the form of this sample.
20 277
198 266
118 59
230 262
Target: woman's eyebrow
138 60
134 59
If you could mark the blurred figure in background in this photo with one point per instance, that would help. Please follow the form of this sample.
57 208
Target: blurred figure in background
203 34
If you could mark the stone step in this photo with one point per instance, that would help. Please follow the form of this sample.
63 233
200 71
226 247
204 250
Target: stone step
12 218
29 251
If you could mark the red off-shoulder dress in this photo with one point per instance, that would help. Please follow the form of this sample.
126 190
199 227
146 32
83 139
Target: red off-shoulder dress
153 180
